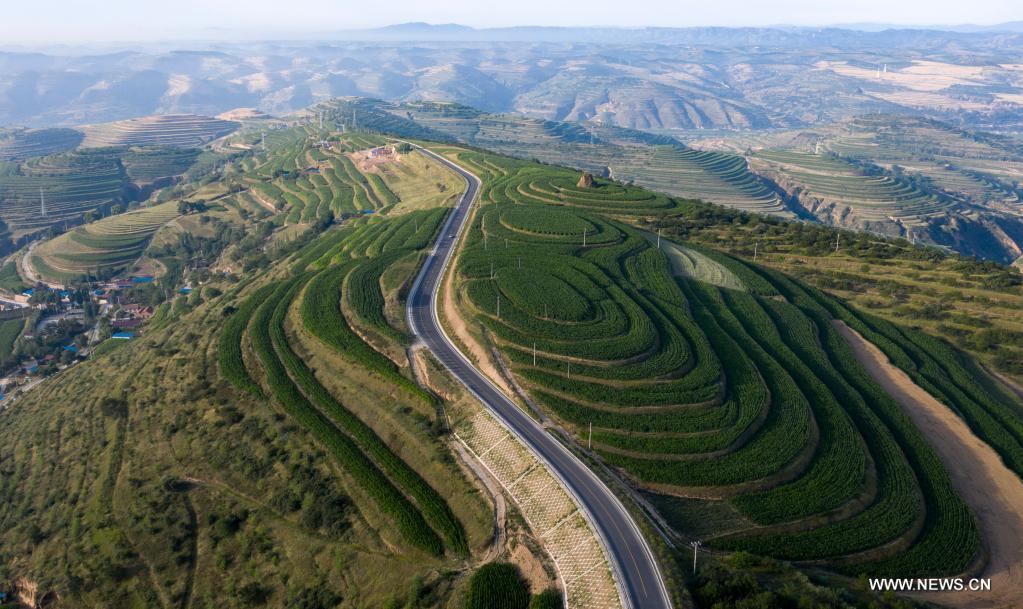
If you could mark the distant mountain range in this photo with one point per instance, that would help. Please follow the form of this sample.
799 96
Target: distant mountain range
649 78
665 35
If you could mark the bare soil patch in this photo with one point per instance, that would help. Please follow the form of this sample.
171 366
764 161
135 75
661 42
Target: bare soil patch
993 491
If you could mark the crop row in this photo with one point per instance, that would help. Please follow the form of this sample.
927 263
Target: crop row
266 331
433 505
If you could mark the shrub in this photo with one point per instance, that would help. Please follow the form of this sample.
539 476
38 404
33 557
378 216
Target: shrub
497 586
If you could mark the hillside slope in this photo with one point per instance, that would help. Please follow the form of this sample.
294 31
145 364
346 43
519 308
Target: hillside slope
741 413
297 466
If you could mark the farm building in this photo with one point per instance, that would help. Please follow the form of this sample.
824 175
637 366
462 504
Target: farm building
123 335
136 310
380 151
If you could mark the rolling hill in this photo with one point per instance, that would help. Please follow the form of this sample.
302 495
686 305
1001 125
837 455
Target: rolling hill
273 437
652 78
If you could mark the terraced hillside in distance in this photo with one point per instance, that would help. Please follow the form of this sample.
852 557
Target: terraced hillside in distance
898 175
49 190
719 388
176 130
150 164
28 143
842 194
307 176
657 162
983 169
60 191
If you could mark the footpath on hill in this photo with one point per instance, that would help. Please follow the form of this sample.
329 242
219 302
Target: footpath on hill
993 491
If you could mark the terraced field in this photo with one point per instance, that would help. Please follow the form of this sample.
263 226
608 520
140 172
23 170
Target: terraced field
146 165
310 182
744 404
103 247
28 143
716 177
958 162
658 163
836 189
338 294
174 130
72 183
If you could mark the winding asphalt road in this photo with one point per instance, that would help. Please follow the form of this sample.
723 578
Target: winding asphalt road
636 573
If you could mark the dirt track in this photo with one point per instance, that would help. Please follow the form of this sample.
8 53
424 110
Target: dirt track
993 491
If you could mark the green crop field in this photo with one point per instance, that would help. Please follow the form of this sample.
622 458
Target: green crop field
708 377
340 299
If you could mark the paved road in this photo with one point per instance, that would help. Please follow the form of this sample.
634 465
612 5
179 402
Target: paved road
635 569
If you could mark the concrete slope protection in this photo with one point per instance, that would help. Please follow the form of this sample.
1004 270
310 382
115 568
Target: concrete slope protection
632 562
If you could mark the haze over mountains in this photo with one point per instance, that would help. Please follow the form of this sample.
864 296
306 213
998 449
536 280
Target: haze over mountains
649 78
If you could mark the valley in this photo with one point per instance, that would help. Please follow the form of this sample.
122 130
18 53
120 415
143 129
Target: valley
655 369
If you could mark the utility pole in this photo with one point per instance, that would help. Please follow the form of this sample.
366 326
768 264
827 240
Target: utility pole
545 311
491 269
658 238
837 238
584 237
42 204
534 353
696 546
569 370
589 440
755 246
499 306
262 139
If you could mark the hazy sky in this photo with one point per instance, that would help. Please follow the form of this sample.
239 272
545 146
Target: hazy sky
92 20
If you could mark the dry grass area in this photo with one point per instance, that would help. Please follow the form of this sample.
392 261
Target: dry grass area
419 181
920 76
1012 98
